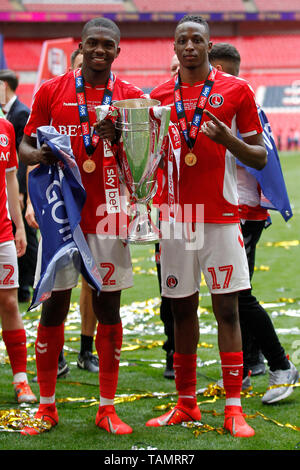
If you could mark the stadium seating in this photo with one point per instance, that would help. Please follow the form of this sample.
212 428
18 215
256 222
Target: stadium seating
267 52
7 6
74 6
284 125
269 79
263 53
154 6
202 6
23 55
277 5
257 52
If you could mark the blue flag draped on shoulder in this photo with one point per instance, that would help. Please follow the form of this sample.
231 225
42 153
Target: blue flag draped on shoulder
270 178
57 196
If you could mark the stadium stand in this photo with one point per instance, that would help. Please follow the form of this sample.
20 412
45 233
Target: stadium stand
266 79
123 5
15 51
258 53
282 105
261 52
202 6
154 6
7 5
277 5
75 6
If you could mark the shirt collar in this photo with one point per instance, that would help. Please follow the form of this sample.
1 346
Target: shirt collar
8 105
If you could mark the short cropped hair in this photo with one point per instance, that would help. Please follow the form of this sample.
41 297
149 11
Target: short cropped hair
224 51
195 19
74 55
10 77
101 22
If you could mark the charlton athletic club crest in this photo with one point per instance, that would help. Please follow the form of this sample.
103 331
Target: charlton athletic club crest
216 100
172 281
4 140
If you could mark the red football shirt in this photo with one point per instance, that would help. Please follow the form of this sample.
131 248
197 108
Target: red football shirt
8 162
55 104
212 180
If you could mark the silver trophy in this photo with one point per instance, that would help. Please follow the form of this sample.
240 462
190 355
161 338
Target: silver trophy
143 124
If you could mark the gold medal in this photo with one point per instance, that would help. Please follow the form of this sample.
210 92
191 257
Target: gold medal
89 166
190 159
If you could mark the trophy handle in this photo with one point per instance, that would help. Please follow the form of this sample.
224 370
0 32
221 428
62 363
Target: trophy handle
162 113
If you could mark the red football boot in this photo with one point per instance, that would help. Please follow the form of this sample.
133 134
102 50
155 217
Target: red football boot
46 413
235 422
177 415
108 420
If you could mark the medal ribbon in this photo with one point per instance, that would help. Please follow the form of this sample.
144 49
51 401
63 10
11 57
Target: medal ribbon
190 136
174 151
90 142
111 170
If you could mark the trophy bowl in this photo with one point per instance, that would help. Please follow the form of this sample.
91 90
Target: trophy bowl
143 125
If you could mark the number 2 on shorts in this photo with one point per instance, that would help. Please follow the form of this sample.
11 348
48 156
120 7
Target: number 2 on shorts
6 280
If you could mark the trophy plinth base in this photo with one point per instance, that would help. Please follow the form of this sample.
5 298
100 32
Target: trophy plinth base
142 230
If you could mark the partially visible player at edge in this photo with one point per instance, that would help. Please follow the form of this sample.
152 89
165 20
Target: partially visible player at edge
207 176
58 102
11 247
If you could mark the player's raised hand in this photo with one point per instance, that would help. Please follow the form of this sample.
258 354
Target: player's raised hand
216 130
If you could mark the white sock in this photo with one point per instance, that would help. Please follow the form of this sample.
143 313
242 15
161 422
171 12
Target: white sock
47 400
233 402
20 377
106 401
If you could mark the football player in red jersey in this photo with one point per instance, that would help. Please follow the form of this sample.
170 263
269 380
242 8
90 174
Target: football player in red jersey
207 106
13 332
256 326
59 102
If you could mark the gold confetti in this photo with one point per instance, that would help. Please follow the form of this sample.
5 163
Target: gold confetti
261 268
141 345
284 244
16 420
148 344
214 390
200 428
139 396
205 345
287 425
287 300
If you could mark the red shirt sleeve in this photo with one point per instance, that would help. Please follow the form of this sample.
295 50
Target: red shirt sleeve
13 159
247 119
40 111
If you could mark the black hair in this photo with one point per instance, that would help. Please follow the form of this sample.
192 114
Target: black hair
74 55
101 22
225 51
10 78
195 19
